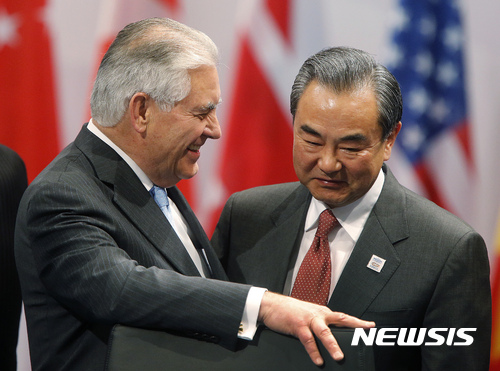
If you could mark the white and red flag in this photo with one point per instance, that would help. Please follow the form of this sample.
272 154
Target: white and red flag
276 37
27 88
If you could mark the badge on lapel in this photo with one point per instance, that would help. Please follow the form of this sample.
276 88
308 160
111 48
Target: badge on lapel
376 263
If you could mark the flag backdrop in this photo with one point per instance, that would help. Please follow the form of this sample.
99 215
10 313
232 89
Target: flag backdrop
257 145
50 49
27 94
435 143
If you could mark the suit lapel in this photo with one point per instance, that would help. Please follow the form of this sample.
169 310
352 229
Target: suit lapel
135 202
359 285
275 250
198 235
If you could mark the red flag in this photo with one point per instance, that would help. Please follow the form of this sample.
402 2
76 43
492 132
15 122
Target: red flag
27 95
258 138
258 143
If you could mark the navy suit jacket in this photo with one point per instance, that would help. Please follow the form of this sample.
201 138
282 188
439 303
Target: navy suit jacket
93 249
436 272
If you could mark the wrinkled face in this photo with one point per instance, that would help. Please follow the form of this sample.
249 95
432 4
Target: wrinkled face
174 138
338 148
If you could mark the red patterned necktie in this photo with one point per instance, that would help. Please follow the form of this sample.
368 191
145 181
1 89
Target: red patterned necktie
314 277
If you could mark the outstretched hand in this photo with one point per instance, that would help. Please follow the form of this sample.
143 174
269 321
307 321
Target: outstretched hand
305 320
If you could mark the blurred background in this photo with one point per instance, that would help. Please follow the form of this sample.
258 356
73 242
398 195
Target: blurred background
445 54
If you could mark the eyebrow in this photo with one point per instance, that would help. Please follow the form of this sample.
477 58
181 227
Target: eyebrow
348 138
210 106
309 130
354 138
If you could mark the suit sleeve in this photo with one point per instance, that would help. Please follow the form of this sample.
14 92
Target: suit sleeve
72 239
462 299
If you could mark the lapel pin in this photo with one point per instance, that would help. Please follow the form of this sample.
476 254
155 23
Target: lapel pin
376 263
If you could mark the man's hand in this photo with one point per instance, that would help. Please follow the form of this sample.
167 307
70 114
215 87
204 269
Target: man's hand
304 320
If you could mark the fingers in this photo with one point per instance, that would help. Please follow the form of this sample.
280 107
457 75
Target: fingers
306 320
319 327
324 334
307 339
344 320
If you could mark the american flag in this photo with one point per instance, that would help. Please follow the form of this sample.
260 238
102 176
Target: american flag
427 60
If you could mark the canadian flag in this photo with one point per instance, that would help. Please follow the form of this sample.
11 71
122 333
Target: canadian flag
27 95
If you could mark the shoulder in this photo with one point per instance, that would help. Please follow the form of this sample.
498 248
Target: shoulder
13 177
63 169
405 215
69 181
11 162
7 154
270 194
423 209
431 223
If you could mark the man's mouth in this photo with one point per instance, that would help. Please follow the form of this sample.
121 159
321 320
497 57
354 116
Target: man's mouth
194 148
330 183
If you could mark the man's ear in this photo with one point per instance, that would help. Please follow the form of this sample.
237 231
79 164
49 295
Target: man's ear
139 110
391 140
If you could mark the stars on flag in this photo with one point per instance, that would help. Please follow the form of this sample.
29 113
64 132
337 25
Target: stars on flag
9 25
427 61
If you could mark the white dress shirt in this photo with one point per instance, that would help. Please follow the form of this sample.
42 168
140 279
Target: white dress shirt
254 298
352 219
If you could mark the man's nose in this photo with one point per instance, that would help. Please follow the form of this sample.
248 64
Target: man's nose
212 129
329 161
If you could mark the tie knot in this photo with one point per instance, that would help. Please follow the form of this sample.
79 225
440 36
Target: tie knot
327 221
160 196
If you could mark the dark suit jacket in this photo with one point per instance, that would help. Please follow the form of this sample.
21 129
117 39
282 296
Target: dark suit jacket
93 249
13 182
436 272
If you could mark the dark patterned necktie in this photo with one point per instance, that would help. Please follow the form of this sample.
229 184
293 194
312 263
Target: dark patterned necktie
314 277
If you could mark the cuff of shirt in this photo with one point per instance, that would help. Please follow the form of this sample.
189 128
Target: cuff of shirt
248 324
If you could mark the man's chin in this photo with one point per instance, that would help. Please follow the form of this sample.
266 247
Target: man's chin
332 200
188 174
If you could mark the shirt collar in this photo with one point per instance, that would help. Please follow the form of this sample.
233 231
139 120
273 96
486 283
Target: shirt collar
351 217
148 184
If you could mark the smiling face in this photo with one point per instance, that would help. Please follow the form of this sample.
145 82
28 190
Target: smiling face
172 139
338 148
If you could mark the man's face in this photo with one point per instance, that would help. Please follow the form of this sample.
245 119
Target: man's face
174 138
338 149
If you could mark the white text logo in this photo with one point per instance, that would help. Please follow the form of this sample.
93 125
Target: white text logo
413 336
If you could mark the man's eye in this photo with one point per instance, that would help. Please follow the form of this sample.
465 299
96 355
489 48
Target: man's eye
350 149
312 143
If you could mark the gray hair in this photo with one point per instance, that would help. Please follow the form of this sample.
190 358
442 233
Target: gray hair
152 56
345 70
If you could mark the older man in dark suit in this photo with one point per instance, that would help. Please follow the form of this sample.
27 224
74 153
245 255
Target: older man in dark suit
104 236
391 256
